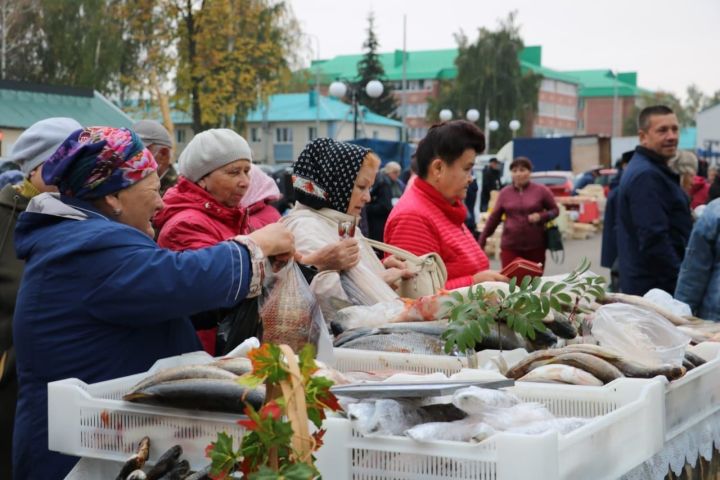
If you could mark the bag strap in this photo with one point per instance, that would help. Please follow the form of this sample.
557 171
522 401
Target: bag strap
398 252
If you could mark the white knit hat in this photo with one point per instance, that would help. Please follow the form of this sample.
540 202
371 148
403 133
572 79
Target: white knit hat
210 150
40 140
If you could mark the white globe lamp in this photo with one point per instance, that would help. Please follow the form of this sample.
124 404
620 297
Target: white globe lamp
374 88
445 114
472 115
514 125
338 89
493 125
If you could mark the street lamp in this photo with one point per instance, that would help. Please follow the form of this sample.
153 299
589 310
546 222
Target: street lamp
445 115
374 89
473 115
514 126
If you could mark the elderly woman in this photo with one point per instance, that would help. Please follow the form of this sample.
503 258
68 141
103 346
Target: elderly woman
332 183
527 207
99 299
430 216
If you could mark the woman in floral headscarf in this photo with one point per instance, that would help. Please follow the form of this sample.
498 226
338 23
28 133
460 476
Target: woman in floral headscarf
99 299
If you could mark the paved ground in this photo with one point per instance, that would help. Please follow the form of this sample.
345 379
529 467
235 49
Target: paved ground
575 250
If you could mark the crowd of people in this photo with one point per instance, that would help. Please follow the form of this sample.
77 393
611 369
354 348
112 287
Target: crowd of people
113 257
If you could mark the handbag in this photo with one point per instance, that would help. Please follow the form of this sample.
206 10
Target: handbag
431 272
554 243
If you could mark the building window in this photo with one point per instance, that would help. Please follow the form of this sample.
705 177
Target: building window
312 133
547 85
417 133
546 109
566 112
255 134
566 88
283 135
417 109
180 135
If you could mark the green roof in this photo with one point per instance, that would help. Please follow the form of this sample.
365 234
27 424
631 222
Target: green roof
603 83
146 112
423 64
300 107
23 104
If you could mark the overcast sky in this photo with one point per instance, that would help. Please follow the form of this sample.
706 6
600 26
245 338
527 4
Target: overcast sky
669 43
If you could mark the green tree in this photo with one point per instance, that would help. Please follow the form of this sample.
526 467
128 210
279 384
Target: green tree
18 44
370 68
489 78
685 118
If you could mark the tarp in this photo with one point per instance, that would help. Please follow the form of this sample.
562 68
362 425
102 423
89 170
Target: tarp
545 153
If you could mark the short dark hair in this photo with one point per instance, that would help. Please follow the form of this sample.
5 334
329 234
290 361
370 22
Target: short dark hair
647 112
448 141
493 160
521 162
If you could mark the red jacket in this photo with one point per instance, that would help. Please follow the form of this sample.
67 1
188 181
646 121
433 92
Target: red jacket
423 221
699 191
261 214
193 219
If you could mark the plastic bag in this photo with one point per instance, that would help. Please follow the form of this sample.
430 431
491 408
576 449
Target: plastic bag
639 334
663 299
289 311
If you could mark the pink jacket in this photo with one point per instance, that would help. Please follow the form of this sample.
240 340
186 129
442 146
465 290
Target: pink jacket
261 214
260 193
423 222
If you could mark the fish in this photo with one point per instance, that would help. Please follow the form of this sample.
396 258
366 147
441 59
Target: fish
362 316
165 463
475 400
541 341
397 341
696 360
599 368
687 364
183 373
517 415
466 430
137 461
525 365
200 394
561 374
560 425
611 297
178 472
384 416
638 370
136 475
501 337
202 474
600 352
236 365
561 325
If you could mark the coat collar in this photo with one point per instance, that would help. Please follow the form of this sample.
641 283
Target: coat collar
456 212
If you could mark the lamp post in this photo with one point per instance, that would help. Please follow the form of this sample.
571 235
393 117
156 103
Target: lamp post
374 89
445 115
514 126
492 126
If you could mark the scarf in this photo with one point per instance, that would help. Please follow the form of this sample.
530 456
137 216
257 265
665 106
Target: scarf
324 173
456 212
27 189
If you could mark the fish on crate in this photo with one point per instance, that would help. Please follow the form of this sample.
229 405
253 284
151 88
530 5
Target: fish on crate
399 341
561 374
466 430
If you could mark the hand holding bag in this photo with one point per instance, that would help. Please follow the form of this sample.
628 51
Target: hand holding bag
431 272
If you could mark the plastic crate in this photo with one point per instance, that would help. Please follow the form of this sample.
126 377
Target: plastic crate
627 429
695 396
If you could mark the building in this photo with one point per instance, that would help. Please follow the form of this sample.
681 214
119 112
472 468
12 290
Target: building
707 139
607 102
279 129
23 104
425 70
182 122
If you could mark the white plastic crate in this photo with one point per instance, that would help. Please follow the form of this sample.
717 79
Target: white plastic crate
627 429
696 395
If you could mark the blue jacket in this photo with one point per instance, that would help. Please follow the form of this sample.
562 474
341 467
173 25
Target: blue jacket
699 281
100 300
653 224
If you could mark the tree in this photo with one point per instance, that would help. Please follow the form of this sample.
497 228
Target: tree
695 102
17 41
489 78
685 119
370 68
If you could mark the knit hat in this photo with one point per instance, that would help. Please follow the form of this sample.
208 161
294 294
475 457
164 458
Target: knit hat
325 172
37 143
97 161
210 150
684 163
262 187
152 133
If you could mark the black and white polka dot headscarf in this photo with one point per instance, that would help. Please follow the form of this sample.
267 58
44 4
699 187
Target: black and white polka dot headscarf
325 172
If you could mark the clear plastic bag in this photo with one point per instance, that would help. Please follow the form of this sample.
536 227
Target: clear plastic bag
663 299
639 334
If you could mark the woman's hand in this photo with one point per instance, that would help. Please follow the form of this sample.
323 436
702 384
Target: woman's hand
393 262
393 274
275 240
341 255
489 276
534 218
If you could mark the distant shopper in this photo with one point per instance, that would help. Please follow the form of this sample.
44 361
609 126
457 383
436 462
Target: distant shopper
491 181
385 194
157 139
527 207
587 178
697 188
609 254
653 214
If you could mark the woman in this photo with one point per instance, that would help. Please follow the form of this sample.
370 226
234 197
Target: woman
99 299
332 183
430 216
257 200
527 207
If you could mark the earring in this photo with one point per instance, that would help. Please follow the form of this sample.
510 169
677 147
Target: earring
117 212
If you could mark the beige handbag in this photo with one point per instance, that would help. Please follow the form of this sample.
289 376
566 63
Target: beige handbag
431 273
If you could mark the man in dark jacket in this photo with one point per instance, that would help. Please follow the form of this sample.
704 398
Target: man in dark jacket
32 148
653 213
608 251
157 139
492 174
385 193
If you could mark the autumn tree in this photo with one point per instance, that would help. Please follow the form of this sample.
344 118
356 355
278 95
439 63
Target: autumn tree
489 79
18 42
370 68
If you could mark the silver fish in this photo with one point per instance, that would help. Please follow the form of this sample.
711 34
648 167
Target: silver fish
236 365
561 325
397 341
599 368
476 400
466 430
183 373
561 374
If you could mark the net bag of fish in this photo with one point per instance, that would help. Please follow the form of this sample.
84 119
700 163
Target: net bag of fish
289 311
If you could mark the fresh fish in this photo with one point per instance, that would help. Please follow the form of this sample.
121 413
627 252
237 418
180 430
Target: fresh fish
599 368
642 303
384 417
476 400
183 373
137 461
561 374
525 365
501 337
397 341
638 370
561 325
136 475
237 365
178 472
600 352
542 340
696 360
560 425
200 394
165 463
466 430
687 364
202 474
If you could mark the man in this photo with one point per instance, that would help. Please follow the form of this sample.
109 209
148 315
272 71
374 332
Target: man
587 178
653 213
385 193
157 139
33 147
492 174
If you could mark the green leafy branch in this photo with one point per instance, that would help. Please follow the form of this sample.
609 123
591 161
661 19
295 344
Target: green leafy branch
523 307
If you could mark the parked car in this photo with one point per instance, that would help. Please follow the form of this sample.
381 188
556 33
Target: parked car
560 183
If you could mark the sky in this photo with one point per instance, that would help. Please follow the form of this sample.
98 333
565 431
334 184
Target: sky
671 44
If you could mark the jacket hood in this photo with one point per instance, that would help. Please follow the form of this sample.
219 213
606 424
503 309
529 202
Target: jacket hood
187 195
262 188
